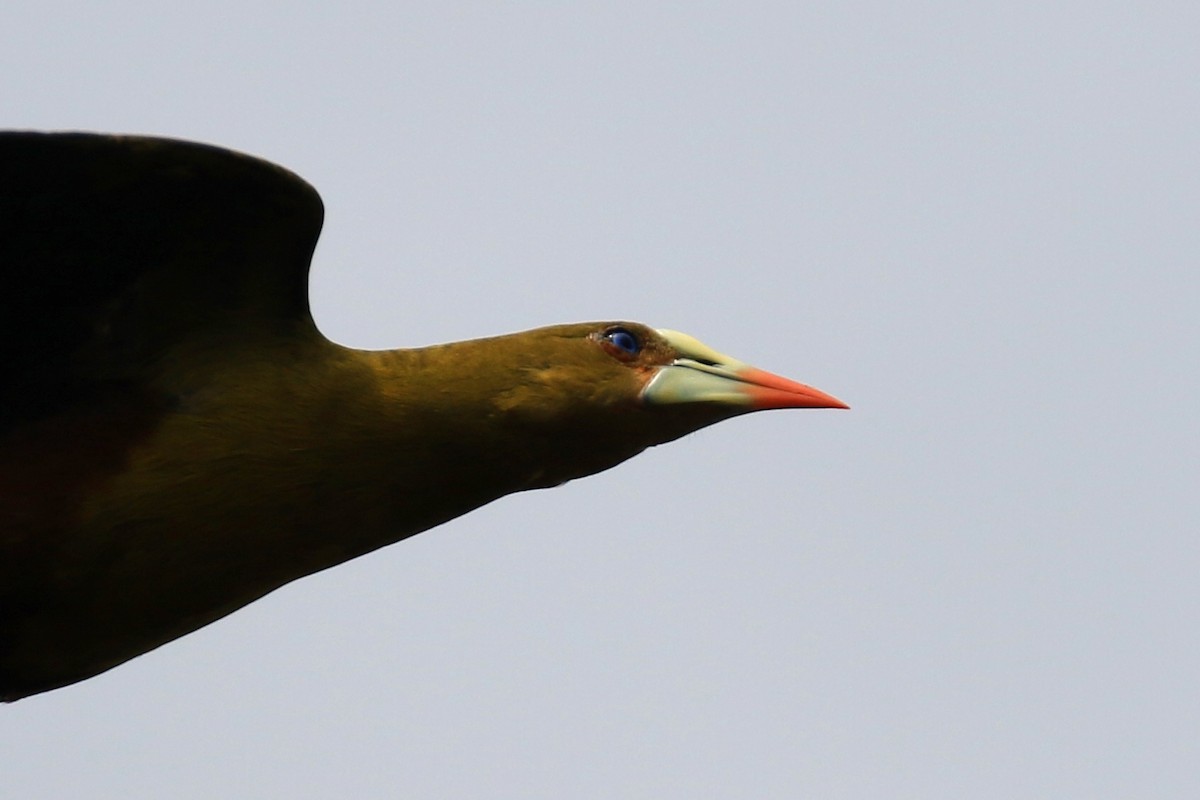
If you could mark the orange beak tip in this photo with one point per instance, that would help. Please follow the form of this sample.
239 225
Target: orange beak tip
774 391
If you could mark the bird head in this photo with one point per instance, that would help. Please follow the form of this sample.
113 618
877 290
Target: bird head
591 395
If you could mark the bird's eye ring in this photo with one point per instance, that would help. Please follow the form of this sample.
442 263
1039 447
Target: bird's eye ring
622 342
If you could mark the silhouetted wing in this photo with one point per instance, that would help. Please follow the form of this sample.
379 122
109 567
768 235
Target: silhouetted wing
115 249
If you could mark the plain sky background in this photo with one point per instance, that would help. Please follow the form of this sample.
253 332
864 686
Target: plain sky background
975 222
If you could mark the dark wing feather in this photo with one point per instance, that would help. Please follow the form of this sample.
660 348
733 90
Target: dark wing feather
115 249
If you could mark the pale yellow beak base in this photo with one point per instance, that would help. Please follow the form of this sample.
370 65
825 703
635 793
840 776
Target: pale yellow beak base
703 375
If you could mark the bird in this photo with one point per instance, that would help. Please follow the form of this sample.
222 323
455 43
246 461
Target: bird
177 439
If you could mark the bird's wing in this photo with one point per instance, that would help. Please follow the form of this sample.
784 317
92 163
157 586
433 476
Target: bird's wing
115 249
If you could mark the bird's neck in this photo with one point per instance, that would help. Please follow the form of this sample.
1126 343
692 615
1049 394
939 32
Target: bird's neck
396 442
353 450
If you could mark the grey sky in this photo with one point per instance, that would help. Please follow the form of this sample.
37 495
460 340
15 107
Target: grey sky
976 223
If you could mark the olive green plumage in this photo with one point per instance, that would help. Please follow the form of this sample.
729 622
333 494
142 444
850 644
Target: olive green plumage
177 439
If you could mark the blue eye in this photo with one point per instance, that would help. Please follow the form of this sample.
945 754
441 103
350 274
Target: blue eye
623 340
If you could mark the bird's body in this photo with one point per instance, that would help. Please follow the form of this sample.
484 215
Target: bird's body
177 439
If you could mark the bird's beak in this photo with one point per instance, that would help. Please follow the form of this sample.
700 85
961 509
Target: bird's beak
702 375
